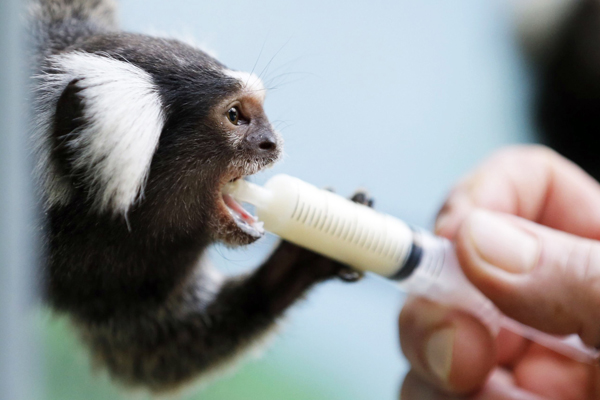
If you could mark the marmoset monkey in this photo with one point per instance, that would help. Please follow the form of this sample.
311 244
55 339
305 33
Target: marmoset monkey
136 137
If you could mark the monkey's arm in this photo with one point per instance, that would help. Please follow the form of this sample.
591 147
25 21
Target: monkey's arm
207 323
210 320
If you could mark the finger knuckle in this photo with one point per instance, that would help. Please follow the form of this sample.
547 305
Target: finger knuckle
583 262
583 259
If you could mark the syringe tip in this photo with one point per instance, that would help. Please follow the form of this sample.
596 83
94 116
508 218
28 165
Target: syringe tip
247 192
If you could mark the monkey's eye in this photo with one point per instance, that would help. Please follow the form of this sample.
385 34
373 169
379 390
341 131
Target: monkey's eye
234 115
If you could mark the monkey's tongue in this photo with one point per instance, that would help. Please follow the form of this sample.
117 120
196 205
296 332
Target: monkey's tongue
243 218
235 206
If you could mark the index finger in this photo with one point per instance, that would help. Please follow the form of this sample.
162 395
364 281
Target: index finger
532 182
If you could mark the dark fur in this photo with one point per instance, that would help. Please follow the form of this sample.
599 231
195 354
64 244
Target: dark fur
136 286
567 103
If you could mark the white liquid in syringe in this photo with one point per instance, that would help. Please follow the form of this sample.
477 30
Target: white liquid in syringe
367 240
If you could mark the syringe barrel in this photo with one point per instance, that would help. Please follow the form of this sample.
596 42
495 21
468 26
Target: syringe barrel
331 225
358 236
367 240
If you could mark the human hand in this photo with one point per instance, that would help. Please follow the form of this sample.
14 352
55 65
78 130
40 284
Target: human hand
527 227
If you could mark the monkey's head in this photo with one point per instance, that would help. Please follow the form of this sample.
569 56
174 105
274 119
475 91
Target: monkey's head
147 131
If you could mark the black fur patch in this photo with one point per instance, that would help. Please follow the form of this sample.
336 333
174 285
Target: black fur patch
568 99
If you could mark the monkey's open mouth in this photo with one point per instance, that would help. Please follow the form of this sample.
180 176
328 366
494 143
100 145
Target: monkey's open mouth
245 221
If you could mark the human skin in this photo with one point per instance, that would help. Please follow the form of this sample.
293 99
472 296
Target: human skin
526 225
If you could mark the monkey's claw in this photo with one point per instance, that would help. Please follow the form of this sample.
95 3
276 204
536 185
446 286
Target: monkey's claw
349 274
362 197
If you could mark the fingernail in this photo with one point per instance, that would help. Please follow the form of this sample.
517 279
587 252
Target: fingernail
438 352
502 244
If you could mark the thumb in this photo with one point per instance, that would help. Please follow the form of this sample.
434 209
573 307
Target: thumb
541 277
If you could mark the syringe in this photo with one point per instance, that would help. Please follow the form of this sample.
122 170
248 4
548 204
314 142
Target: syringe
367 240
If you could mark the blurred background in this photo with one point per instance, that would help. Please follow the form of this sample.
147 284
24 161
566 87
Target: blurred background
401 97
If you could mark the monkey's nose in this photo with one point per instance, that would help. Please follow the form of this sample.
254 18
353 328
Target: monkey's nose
262 142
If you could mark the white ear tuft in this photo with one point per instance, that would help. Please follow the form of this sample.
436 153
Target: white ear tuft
123 117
